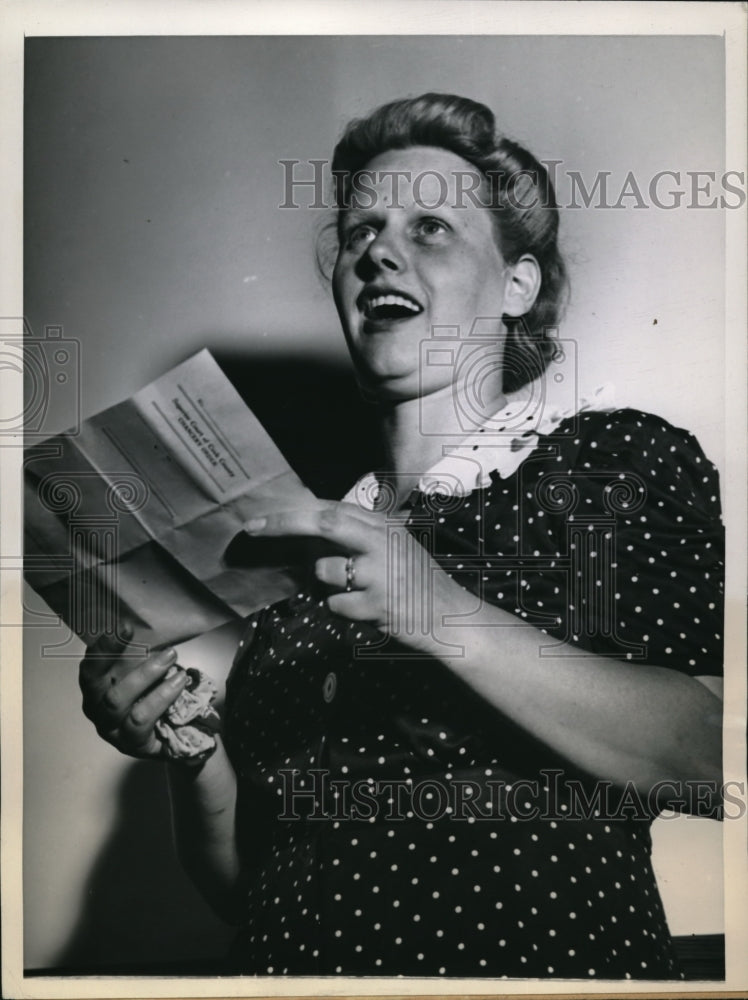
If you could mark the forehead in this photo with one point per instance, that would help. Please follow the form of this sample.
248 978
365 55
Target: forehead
421 177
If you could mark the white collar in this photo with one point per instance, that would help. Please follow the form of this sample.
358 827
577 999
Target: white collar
500 445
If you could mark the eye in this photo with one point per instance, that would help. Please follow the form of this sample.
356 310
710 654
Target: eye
358 236
430 229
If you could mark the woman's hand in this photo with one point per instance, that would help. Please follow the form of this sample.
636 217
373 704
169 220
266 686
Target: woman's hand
381 575
616 720
124 697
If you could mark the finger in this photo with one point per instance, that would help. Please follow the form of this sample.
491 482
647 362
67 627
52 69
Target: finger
374 519
112 640
107 647
146 744
371 517
333 570
137 726
356 605
333 522
119 690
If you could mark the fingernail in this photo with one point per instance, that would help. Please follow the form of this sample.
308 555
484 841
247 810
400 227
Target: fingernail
169 655
177 679
256 524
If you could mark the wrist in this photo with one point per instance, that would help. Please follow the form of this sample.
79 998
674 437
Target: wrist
443 607
192 772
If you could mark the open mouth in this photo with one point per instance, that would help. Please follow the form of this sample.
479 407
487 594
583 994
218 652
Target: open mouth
389 306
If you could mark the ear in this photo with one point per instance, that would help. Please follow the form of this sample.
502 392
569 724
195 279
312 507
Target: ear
522 286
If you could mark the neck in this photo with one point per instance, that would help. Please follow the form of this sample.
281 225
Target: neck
418 432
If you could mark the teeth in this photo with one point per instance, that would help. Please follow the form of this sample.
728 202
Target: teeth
391 300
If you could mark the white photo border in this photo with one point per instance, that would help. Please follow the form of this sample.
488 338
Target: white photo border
203 17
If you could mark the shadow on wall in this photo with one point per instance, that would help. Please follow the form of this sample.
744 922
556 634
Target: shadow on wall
140 913
314 412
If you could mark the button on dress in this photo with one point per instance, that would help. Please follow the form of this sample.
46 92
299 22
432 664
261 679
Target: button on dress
392 822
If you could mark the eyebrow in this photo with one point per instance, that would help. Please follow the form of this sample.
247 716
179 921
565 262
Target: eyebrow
350 216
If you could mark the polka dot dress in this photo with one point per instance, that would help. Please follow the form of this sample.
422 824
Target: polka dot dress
391 822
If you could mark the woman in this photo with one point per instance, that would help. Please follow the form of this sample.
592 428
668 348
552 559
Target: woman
442 758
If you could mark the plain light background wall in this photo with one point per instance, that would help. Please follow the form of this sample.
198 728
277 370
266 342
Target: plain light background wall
152 188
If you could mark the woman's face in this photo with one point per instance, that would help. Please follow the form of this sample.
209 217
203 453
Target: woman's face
405 268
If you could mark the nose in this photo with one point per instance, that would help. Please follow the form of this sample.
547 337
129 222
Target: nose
385 252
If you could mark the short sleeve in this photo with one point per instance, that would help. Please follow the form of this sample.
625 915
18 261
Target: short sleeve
652 486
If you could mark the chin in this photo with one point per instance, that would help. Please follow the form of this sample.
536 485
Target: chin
391 387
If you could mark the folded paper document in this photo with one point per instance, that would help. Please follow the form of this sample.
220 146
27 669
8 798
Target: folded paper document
139 513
